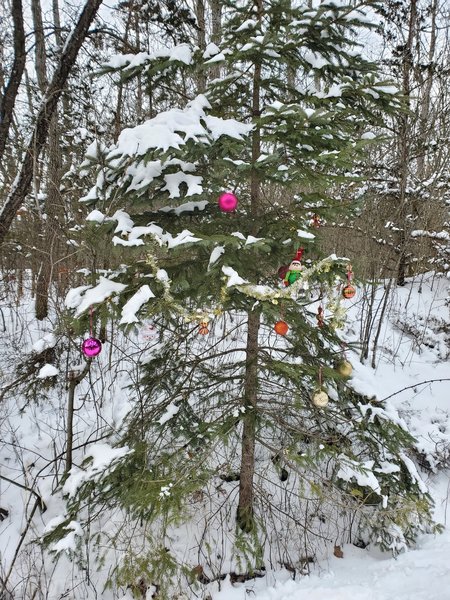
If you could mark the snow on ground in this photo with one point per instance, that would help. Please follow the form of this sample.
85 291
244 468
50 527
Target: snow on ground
423 573
412 371
419 574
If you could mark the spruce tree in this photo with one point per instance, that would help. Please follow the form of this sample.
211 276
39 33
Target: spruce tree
226 427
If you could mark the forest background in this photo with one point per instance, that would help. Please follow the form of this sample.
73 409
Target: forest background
74 79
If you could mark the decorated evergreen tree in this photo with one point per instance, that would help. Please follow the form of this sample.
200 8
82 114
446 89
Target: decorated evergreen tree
242 428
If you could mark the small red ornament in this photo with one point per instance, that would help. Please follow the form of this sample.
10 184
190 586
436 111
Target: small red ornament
203 328
227 202
91 347
348 292
299 254
281 327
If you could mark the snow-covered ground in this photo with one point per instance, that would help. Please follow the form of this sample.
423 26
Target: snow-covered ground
412 372
420 574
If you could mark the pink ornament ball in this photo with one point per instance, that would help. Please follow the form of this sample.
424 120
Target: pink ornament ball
91 347
227 202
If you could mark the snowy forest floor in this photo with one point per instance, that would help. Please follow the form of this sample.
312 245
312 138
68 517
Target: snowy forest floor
412 372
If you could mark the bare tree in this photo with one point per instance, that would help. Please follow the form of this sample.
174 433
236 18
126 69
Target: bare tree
48 106
8 99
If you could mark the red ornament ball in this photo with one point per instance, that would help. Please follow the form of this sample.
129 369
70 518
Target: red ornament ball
348 292
227 202
281 327
91 347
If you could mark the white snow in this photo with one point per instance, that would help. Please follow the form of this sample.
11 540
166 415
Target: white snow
134 304
181 53
369 135
215 255
85 297
47 371
104 457
171 411
174 180
186 207
69 541
233 276
361 472
95 216
47 341
305 234
211 50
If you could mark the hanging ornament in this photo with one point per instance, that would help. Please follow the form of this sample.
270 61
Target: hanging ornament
342 365
294 271
320 317
299 254
349 290
316 221
203 328
344 368
281 327
227 202
91 346
320 397
149 332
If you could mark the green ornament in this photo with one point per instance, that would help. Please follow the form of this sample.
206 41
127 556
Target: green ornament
294 273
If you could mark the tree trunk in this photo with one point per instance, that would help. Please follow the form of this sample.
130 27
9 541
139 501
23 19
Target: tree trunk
244 515
404 144
216 32
40 59
74 379
201 39
426 95
8 99
247 470
66 62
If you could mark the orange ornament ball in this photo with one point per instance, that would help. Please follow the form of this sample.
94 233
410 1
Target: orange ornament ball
348 292
281 327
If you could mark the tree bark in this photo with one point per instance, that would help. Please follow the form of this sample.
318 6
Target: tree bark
40 59
66 62
426 95
404 143
244 515
8 99
216 32
201 39
74 380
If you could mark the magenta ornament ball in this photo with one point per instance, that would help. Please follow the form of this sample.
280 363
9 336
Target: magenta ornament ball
91 347
227 202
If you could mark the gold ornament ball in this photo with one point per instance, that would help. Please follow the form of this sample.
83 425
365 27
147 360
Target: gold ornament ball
344 368
320 398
